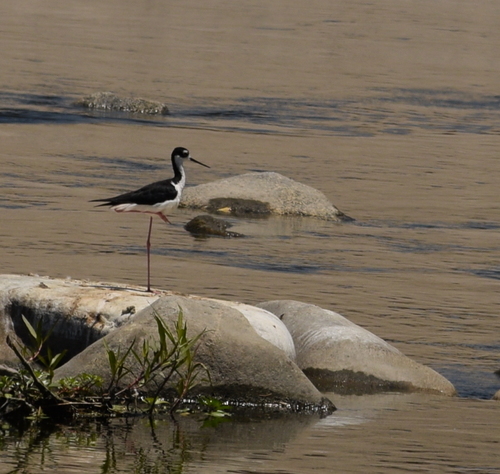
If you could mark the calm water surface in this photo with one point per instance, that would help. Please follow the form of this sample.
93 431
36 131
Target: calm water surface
391 109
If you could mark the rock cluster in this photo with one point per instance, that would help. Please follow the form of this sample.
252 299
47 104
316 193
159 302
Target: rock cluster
284 353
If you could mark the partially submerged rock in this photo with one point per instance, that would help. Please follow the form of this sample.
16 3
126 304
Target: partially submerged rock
255 354
110 101
339 356
205 225
81 313
282 195
243 366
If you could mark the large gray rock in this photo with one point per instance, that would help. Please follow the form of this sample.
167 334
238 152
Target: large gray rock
243 366
77 312
284 195
266 325
8 359
248 350
80 312
339 356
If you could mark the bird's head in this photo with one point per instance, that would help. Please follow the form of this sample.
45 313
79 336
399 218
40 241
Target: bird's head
180 154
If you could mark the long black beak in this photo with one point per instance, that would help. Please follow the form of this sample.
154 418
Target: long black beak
199 162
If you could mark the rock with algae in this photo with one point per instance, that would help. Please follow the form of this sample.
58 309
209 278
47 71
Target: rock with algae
205 226
134 105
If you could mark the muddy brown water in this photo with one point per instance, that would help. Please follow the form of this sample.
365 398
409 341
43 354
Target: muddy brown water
390 108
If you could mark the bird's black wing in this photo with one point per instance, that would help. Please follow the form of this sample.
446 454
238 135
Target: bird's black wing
150 194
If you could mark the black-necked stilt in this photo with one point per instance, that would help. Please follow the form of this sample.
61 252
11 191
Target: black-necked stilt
155 198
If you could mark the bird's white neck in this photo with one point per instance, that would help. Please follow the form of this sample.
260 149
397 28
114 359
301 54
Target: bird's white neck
179 179
182 182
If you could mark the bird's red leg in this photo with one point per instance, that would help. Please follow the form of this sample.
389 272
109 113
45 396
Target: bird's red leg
163 218
148 247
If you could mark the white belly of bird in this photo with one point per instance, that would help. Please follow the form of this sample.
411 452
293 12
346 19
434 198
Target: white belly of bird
161 207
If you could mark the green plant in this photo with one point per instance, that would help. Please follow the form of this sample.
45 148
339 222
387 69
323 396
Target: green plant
83 385
173 354
34 352
152 366
116 361
214 407
182 359
33 389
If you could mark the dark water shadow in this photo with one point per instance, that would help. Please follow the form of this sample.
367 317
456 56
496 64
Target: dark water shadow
471 382
380 113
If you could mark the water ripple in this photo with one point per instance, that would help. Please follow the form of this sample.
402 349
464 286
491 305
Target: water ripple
356 116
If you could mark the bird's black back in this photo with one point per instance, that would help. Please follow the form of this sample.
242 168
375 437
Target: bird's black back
148 195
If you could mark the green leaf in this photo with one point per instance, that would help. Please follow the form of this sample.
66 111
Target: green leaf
56 360
112 361
30 328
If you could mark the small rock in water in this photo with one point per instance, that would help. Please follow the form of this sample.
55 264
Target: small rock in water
239 207
206 225
110 101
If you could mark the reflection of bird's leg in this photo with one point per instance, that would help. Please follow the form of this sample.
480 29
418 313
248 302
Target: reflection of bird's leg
148 247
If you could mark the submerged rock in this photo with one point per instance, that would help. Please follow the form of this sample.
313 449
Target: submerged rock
282 195
205 225
110 101
339 356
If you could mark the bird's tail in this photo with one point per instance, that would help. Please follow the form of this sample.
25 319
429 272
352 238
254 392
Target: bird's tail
105 202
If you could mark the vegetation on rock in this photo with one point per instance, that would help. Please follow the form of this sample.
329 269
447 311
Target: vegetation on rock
168 364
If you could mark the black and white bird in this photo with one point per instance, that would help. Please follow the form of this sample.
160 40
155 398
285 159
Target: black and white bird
156 198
